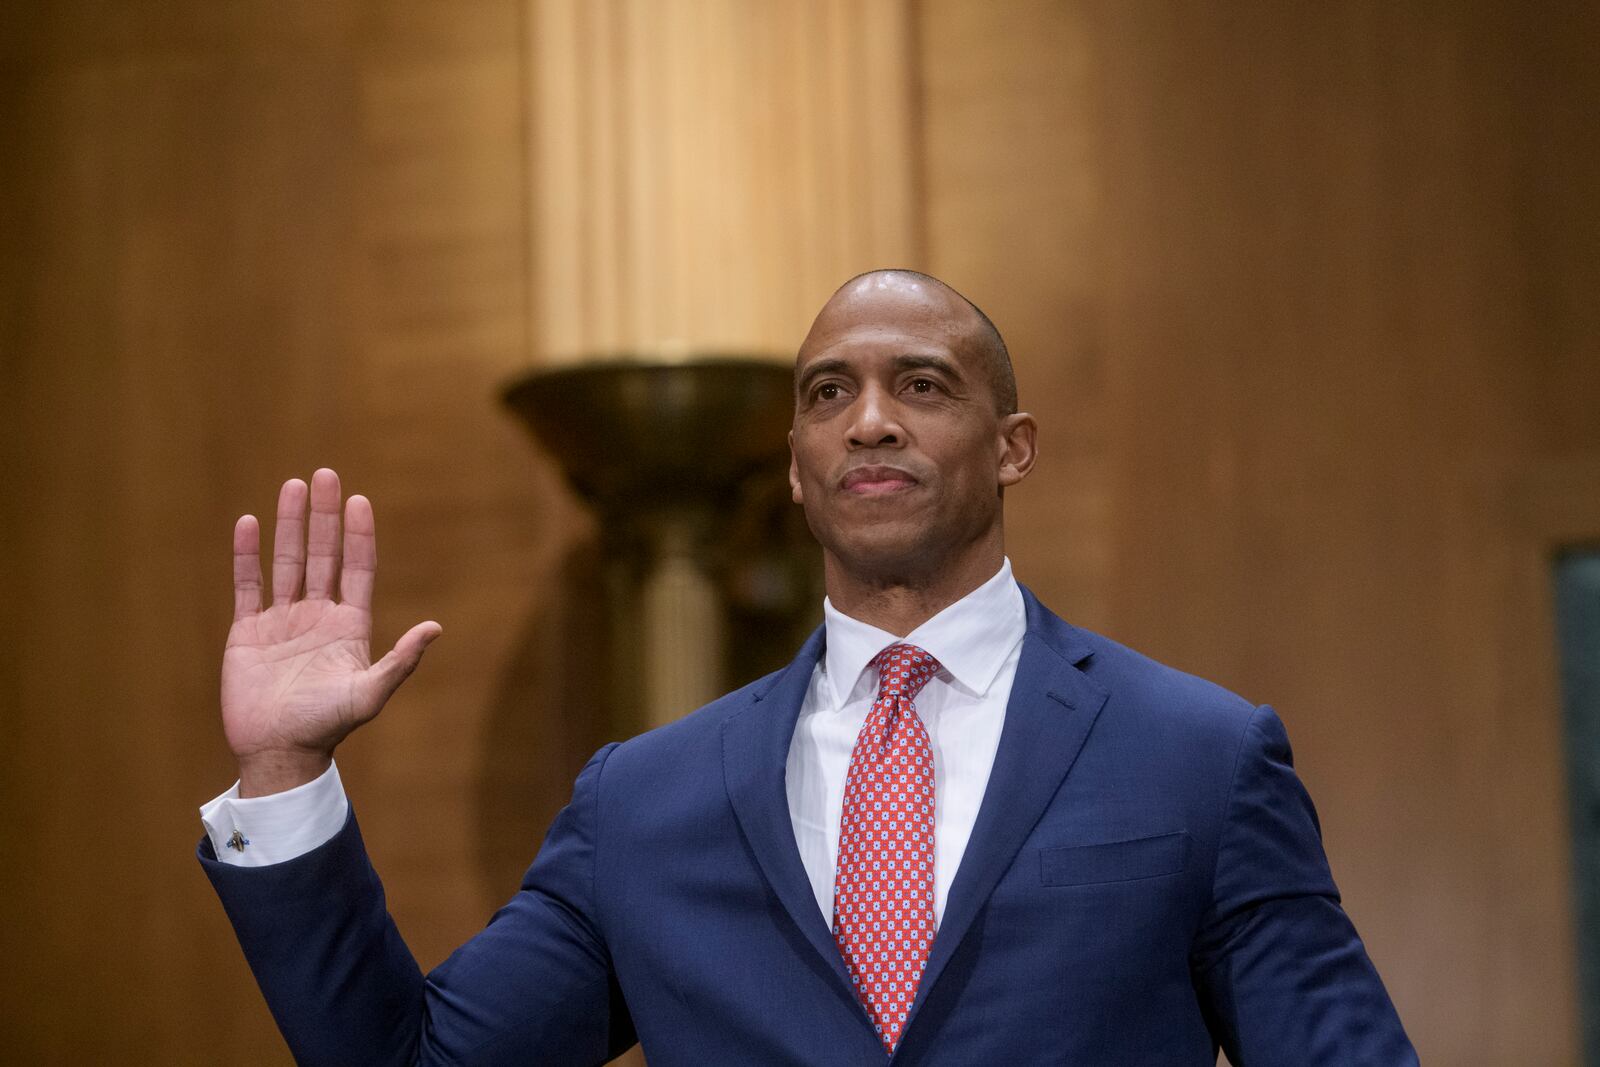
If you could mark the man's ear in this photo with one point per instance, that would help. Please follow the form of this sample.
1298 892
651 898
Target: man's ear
794 474
1019 447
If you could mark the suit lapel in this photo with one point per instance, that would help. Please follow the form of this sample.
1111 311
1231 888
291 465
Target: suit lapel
755 753
1052 707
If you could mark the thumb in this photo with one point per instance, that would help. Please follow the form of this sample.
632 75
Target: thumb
402 659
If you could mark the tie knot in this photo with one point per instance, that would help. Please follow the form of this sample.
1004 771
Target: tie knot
903 670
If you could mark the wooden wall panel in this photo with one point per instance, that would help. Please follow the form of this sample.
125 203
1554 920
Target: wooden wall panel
1275 282
240 242
1555 97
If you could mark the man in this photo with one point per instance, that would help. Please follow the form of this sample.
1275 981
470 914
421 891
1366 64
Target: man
955 830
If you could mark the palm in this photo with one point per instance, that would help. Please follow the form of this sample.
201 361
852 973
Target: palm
292 675
298 676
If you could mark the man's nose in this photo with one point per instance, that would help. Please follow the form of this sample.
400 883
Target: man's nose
874 422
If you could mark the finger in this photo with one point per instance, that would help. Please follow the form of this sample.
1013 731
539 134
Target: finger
360 554
246 566
289 542
322 538
397 665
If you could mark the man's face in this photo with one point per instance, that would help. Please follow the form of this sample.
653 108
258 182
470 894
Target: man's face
898 454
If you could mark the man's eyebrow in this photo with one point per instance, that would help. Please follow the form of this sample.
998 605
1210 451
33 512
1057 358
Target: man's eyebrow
918 361
901 363
829 365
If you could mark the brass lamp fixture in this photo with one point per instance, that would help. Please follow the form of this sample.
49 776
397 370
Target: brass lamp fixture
684 463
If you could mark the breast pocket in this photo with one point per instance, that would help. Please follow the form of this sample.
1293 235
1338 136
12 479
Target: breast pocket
1115 861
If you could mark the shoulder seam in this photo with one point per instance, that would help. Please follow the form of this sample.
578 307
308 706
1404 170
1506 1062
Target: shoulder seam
594 859
1227 801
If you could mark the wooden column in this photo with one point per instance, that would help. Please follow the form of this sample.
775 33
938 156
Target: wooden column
703 175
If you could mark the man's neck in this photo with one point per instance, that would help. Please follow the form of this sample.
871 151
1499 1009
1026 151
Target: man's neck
900 604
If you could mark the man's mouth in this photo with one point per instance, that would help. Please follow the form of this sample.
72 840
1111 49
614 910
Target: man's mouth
876 480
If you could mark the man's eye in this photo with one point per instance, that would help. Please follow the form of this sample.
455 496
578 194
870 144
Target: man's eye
828 391
923 385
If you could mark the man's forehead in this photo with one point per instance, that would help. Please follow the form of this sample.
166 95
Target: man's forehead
900 314
892 296
883 309
872 349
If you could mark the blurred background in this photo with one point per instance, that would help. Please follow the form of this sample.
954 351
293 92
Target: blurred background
1301 294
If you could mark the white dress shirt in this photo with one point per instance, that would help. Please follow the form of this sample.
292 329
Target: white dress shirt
278 826
977 641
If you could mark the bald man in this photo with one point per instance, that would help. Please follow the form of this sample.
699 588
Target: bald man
955 830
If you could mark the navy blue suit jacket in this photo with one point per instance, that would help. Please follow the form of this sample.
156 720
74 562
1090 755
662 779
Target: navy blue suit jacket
1145 881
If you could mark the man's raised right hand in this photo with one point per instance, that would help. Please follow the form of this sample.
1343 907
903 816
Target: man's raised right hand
298 676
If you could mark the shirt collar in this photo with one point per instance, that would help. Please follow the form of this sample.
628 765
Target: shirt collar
971 638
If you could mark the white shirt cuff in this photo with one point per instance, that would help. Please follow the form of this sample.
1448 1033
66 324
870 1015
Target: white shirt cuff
256 831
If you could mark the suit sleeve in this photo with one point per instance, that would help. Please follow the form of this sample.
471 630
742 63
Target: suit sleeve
536 985
1282 974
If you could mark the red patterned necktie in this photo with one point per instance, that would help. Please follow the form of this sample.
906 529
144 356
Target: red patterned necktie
883 888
